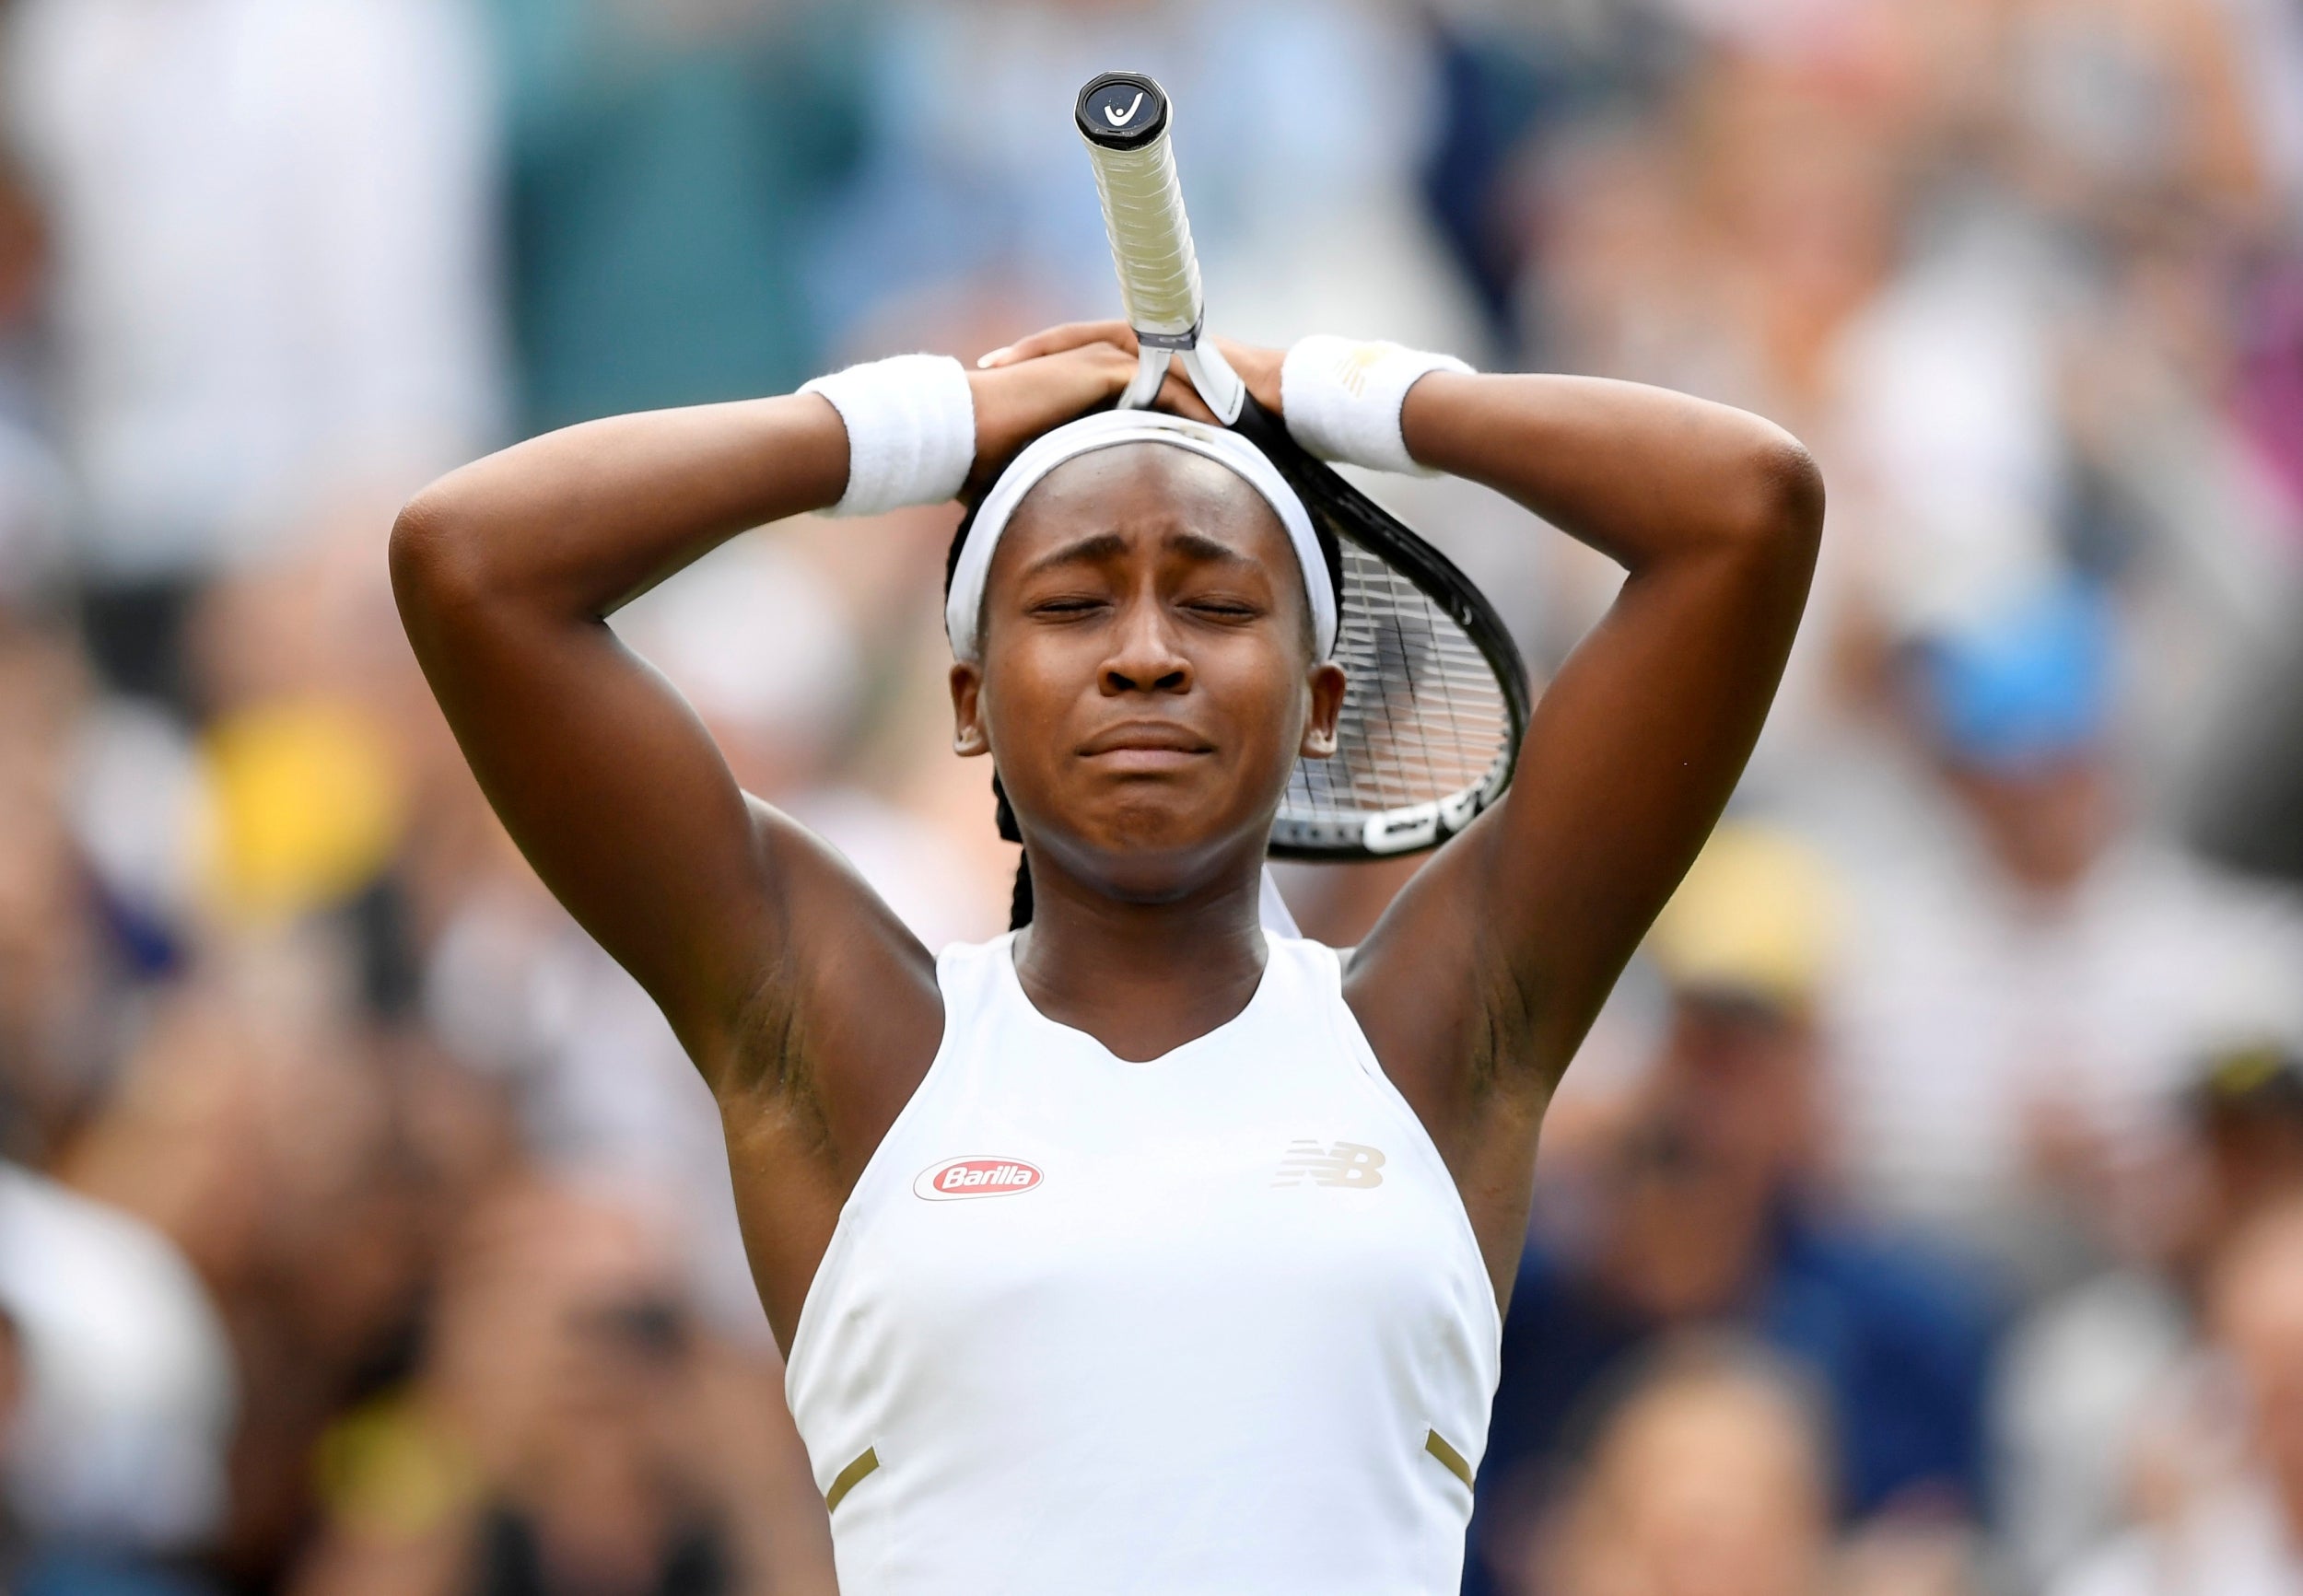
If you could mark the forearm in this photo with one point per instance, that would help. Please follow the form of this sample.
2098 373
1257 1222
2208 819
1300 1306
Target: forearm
580 521
1643 474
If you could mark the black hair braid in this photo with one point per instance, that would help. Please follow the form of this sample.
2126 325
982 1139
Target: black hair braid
1020 905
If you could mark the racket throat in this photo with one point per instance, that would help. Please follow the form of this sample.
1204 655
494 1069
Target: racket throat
1203 363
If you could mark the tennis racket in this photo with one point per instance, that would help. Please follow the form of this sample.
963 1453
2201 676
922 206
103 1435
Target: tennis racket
1437 701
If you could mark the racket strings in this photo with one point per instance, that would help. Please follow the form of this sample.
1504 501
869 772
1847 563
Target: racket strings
1425 717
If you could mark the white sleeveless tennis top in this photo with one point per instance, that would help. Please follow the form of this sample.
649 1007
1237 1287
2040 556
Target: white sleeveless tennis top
1210 1325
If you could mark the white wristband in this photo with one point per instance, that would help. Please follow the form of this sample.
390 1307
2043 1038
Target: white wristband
1342 398
911 431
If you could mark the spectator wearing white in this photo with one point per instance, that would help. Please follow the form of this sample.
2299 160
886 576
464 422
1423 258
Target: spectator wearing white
2230 1515
2082 1378
127 1395
2022 1005
271 290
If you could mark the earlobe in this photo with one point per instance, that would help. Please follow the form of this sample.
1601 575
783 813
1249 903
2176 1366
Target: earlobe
1327 685
968 738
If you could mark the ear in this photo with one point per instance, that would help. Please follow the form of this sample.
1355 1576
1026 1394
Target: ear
968 736
1327 683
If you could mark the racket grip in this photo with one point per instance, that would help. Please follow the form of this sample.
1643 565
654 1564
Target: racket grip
1123 118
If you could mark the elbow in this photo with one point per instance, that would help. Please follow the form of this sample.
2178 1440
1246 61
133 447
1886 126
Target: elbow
1776 508
432 555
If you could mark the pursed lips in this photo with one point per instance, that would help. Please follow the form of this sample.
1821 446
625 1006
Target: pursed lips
1146 745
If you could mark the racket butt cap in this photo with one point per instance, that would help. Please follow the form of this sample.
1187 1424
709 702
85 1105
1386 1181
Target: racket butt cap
1121 111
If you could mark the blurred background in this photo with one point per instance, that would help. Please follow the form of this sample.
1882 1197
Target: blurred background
1922 1215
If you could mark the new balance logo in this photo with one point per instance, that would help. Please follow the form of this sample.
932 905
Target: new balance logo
1311 1163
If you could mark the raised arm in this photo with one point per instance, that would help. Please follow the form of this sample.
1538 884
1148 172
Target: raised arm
807 1004
1480 981
505 573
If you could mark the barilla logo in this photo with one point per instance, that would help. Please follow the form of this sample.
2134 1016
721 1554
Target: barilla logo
956 1178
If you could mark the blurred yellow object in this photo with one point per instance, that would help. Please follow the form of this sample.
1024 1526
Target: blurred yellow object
306 804
1756 917
387 1473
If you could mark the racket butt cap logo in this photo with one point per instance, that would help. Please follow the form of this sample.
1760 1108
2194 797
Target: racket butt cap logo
1121 111
956 1179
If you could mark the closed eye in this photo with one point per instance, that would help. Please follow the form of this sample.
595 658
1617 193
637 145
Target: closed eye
1068 605
1224 609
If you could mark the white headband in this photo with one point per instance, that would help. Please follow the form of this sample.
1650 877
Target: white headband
963 611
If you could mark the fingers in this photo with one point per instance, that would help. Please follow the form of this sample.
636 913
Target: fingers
1258 368
1021 399
1055 339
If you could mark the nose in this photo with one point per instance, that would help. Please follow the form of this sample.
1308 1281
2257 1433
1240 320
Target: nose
1145 656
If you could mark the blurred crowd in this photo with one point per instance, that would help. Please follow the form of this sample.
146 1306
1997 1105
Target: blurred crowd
1925 1215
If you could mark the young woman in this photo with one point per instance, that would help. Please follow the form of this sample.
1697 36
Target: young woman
1142 1250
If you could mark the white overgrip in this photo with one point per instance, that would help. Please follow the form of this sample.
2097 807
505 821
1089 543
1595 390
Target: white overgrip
1159 271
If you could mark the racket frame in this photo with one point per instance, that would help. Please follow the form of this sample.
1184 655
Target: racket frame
1145 220
1359 520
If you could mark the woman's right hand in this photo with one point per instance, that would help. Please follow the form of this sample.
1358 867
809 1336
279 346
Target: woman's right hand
1018 398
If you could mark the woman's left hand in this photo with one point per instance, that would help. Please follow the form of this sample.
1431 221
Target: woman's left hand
1258 367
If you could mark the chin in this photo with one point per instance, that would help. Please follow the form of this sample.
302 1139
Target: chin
1148 851
1154 841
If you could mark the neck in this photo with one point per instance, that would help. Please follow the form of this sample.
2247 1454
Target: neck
1143 978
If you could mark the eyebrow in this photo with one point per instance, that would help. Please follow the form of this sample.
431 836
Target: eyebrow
1104 545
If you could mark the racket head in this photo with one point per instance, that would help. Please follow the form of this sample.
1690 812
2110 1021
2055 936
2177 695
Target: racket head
1437 699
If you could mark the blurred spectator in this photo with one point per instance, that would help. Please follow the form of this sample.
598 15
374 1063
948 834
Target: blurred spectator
2247 810
669 165
571 1429
269 303
2077 1383
969 200
2133 105
1703 1211
2222 1493
1708 1474
1512 79
288 1030
2021 1000
31 1569
306 1163
31 490
119 1388
58 1021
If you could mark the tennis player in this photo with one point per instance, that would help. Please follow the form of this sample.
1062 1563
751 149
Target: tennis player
1147 1247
